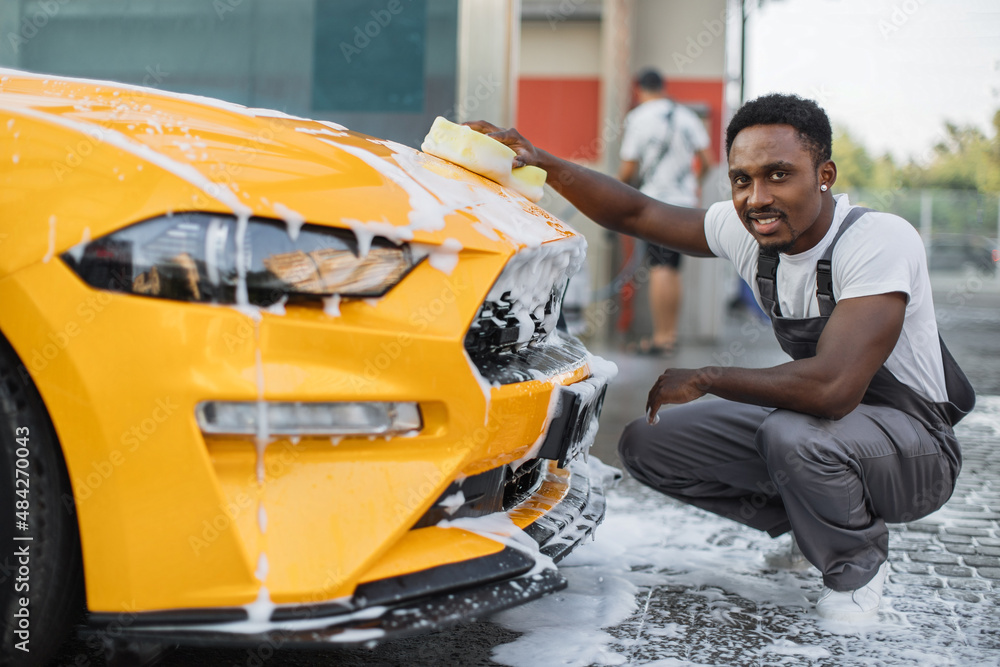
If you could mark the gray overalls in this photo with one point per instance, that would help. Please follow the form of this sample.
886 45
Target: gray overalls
893 459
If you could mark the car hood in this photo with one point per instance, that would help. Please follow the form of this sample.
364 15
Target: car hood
99 155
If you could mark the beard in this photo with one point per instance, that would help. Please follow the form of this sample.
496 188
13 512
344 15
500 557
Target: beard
776 247
771 247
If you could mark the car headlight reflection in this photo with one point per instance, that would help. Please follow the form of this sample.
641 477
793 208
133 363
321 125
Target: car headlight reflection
193 257
245 418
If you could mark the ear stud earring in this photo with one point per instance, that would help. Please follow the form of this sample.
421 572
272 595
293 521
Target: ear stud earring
823 188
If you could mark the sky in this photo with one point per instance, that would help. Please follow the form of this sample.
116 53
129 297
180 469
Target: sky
890 71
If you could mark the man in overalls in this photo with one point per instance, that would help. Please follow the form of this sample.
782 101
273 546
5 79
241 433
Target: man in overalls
856 430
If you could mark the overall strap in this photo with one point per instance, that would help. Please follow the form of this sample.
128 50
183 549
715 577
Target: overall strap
767 282
824 268
767 272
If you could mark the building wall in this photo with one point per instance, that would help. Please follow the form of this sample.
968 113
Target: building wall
559 90
572 97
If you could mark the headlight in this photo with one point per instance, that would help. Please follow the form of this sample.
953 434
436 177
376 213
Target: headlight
193 257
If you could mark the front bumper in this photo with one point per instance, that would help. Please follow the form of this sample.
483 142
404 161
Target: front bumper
573 503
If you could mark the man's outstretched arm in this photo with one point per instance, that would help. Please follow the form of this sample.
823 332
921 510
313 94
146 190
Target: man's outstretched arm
858 338
607 201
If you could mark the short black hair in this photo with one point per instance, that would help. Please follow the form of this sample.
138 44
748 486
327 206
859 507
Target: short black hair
804 115
651 80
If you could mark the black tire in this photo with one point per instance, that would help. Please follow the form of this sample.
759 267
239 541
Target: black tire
55 575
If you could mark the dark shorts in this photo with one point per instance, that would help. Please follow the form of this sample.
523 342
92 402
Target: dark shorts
660 256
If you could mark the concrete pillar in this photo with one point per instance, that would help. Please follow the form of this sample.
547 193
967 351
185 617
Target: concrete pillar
488 45
617 28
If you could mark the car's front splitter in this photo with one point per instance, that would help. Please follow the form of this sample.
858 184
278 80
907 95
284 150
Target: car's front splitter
399 607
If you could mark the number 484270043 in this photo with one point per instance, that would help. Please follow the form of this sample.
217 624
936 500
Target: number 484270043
22 479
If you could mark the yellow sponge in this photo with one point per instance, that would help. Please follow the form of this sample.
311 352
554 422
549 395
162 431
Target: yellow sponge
529 181
484 155
470 149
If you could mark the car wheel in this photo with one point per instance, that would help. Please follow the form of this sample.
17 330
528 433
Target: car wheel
35 502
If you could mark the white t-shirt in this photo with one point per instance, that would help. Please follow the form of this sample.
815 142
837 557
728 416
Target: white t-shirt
879 254
666 173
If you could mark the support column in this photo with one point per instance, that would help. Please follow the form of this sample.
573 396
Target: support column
488 43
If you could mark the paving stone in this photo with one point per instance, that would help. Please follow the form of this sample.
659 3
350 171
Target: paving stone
961 530
982 561
911 568
910 605
964 596
989 572
966 522
957 539
961 549
985 541
925 528
970 584
953 571
988 551
960 507
916 547
916 580
916 536
937 558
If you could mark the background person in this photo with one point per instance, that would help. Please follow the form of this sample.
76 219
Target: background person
659 145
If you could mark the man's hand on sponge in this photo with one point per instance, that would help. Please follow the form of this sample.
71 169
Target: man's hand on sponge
503 156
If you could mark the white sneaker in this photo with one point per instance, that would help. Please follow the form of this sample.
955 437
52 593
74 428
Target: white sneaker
788 559
853 606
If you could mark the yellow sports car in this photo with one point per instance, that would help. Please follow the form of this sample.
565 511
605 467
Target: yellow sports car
266 379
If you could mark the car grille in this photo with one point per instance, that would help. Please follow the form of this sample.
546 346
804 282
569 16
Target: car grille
513 337
495 490
496 331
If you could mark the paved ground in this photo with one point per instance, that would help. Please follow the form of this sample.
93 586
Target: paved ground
695 589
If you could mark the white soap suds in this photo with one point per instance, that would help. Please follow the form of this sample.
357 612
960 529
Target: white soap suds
263 429
366 232
319 131
500 528
52 240
278 307
484 386
331 305
113 138
426 212
77 250
293 219
452 503
262 568
331 124
444 257
532 452
530 276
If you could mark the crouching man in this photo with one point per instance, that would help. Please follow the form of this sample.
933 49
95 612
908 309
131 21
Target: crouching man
856 430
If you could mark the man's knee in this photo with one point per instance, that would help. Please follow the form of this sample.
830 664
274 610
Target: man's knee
790 440
634 443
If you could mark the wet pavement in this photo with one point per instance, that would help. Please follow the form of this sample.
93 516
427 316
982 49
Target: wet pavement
667 585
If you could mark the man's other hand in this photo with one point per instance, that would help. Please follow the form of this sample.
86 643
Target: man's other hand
675 386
